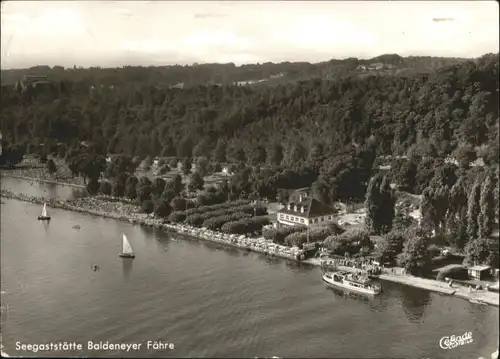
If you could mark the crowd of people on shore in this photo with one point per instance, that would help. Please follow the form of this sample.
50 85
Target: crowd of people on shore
368 265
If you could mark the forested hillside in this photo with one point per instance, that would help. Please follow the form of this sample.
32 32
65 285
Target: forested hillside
331 128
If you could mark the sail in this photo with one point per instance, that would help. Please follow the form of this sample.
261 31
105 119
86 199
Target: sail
127 248
44 210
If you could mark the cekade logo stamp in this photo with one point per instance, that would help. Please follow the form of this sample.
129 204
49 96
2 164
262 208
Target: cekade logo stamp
455 340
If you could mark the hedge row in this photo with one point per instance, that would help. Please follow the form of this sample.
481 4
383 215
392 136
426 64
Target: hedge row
244 226
316 234
278 235
215 207
198 218
177 216
216 223
211 199
351 242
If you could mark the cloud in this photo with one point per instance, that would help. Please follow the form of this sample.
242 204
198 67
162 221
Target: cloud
57 23
242 32
150 46
214 38
323 30
206 16
441 19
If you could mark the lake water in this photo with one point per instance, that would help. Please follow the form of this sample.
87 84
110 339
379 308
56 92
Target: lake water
206 300
41 189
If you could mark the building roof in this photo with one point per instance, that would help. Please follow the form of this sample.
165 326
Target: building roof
479 268
295 194
312 208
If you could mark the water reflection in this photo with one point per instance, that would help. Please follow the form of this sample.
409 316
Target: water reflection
346 294
127 267
232 251
272 261
415 301
299 266
149 231
162 243
41 189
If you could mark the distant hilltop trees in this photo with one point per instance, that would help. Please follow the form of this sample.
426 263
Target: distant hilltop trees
35 82
226 74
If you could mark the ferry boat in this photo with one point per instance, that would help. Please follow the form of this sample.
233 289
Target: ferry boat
355 282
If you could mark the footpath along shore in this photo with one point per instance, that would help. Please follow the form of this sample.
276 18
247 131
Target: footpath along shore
109 207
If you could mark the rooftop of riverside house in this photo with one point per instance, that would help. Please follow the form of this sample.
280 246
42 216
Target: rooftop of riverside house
307 207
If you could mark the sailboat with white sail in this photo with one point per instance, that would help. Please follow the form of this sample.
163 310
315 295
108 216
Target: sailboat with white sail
127 251
44 216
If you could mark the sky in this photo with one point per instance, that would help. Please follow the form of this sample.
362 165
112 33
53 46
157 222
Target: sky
116 33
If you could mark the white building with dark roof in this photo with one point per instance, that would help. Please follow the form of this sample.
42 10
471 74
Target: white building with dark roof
303 210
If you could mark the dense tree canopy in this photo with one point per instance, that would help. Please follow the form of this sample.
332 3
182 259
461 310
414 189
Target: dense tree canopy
439 112
322 125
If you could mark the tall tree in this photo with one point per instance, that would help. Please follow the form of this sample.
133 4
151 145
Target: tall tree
130 187
158 186
477 252
391 245
387 203
372 205
202 166
473 210
275 154
175 185
144 189
196 182
434 208
185 147
486 218
118 188
219 153
186 166
416 257
51 166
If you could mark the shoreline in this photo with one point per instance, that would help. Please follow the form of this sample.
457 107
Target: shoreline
260 246
231 240
42 180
